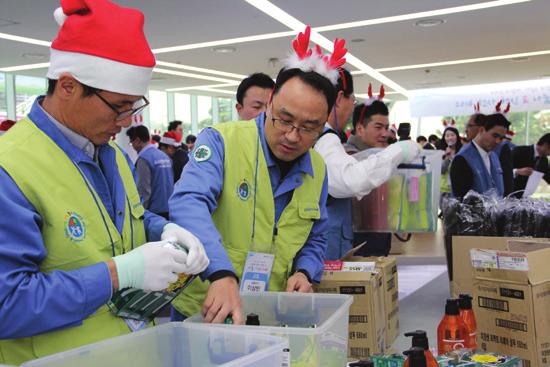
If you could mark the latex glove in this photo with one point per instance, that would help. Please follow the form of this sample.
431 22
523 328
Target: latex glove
409 150
196 261
223 299
152 266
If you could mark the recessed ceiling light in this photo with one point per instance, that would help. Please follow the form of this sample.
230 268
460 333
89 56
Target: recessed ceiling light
157 78
7 22
357 40
519 59
429 22
34 56
224 49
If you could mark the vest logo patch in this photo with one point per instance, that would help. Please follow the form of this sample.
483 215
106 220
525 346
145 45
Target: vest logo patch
202 153
243 190
75 229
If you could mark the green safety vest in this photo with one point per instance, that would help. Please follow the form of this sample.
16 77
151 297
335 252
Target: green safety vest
66 201
235 212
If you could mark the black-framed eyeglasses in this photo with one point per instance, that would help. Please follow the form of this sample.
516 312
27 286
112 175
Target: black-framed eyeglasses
287 126
138 106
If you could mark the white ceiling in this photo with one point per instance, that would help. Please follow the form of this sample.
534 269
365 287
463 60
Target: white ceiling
503 30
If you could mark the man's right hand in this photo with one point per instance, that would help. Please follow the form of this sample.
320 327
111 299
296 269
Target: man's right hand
525 171
152 267
223 300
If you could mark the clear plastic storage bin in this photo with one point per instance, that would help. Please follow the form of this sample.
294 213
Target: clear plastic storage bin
407 202
176 345
316 325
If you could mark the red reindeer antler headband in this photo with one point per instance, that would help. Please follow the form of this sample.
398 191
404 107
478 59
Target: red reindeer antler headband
305 59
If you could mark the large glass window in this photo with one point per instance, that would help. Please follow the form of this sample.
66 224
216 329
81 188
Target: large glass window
204 111
158 111
182 111
3 105
224 109
27 88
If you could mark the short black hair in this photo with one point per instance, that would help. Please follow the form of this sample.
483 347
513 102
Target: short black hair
190 139
545 139
140 132
433 137
86 90
363 112
479 119
345 82
156 138
311 78
496 119
421 138
173 125
254 80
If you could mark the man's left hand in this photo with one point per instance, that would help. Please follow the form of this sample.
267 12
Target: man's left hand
299 283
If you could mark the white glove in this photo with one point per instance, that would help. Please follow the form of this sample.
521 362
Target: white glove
196 261
409 150
152 266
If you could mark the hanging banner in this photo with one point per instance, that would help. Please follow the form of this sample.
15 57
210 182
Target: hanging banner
533 95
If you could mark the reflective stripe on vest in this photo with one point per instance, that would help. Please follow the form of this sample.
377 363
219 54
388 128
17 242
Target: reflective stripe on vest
234 215
77 230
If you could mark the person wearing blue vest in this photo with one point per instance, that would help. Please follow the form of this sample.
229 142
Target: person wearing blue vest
258 193
154 172
72 229
476 167
348 177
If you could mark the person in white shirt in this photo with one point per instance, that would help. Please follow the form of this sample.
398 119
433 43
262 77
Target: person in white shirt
348 177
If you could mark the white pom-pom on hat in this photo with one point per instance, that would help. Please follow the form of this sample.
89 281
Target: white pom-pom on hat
59 16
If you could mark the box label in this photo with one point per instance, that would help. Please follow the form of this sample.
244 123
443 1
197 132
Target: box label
352 290
512 293
512 261
358 319
484 259
512 325
493 304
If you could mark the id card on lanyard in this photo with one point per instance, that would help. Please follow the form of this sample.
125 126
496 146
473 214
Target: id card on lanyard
256 272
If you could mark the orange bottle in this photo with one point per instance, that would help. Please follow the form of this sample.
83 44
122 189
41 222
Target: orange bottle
451 332
467 315
415 357
420 340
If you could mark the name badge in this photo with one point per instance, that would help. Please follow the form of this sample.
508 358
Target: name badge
256 272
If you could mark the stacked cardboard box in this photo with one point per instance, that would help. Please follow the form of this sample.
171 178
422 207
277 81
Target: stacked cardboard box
512 300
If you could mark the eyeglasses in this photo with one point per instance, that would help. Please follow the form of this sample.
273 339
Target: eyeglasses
137 106
287 126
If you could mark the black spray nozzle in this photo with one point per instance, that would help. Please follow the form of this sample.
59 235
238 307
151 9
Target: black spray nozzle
419 339
451 307
252 319
416 356
465 301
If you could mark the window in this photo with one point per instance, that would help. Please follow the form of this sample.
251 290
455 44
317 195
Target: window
225 108
158 112
204 111
182 111
27 88
3 103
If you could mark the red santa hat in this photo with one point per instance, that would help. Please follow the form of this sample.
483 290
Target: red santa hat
510 134
393 128
171 138
6 125
103 46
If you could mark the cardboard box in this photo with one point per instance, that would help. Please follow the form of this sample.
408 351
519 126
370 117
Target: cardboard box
512 300
366 315
387 267
463 277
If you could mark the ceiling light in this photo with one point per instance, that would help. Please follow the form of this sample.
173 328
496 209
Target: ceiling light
224 49
192 75
200 70
429 22
357 40
34 56
293 23
25 67
202 86
32 41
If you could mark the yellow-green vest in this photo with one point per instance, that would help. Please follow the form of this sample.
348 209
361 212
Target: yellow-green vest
60 193
235 212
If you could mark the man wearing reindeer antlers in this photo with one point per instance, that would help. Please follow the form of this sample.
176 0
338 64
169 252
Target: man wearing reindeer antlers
259 192
348 177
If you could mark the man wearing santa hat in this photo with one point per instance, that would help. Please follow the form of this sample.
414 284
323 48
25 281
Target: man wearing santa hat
170 143
73 229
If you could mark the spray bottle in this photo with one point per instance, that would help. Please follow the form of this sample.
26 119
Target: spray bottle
467 315
451 332
420 340
416 357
